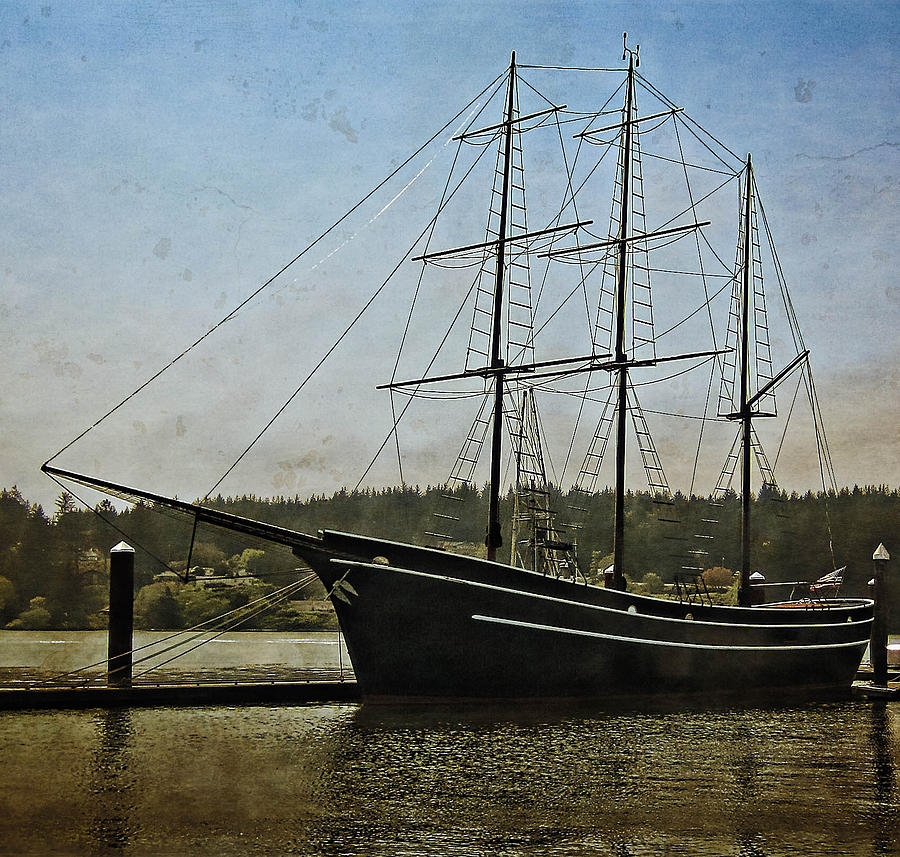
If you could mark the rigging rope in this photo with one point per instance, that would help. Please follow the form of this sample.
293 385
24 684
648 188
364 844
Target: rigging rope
688 120
262 602
571 68
336 343
703 420
411 310
239 621
378 214
478 259
654 156
434 357
575 393
62 676
568 193
674 374
271 279
826 464
119 530
787 420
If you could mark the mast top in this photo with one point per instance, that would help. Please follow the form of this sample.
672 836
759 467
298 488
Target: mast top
629 54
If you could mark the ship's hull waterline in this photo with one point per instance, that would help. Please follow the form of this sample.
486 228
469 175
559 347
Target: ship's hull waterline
421 623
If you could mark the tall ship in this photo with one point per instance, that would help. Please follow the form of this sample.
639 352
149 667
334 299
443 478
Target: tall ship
424 619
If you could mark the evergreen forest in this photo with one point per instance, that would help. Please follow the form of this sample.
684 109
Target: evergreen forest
54 566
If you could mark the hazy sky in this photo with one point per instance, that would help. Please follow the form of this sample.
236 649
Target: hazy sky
160 160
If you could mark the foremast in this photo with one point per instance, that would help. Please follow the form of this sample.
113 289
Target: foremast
507 247
745 414
494 538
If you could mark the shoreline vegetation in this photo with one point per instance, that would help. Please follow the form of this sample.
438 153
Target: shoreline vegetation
54 568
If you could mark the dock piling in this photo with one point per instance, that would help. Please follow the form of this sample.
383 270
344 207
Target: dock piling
121 619
878 640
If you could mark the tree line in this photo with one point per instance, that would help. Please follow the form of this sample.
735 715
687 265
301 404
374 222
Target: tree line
53 567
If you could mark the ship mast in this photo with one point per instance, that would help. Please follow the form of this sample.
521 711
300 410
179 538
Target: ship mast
620 355
494 538
746 408
496 369
622 243
747 403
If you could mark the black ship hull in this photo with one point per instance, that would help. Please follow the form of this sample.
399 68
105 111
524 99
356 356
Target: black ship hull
421 623
424 623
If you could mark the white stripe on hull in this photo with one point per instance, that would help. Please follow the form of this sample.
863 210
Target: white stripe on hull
555 599
649 642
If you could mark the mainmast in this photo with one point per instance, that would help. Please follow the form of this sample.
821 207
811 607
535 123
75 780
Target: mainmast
494 538
620 355
622 245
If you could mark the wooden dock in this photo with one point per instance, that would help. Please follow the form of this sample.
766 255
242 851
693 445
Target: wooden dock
308 691
179 694
864 686
875 691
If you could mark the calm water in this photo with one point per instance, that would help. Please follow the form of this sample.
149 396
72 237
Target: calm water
28 657
348 780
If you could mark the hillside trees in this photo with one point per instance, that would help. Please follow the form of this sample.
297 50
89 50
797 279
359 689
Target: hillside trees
63 560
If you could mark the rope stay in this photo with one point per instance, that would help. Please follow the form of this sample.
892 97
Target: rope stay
525 314
234 619
230 315
642 316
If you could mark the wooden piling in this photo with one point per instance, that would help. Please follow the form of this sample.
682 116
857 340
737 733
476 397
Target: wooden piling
121 619
878 640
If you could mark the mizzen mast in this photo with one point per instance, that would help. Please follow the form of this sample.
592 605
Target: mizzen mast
746 411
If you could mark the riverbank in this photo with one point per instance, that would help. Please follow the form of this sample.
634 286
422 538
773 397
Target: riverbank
202 607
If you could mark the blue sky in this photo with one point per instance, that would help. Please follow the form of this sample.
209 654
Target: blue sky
161 159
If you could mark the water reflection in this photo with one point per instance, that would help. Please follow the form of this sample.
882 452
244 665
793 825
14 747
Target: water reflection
348 780
884 810
751 846
556 781
111 781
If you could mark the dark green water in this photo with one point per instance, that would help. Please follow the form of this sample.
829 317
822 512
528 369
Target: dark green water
815 779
